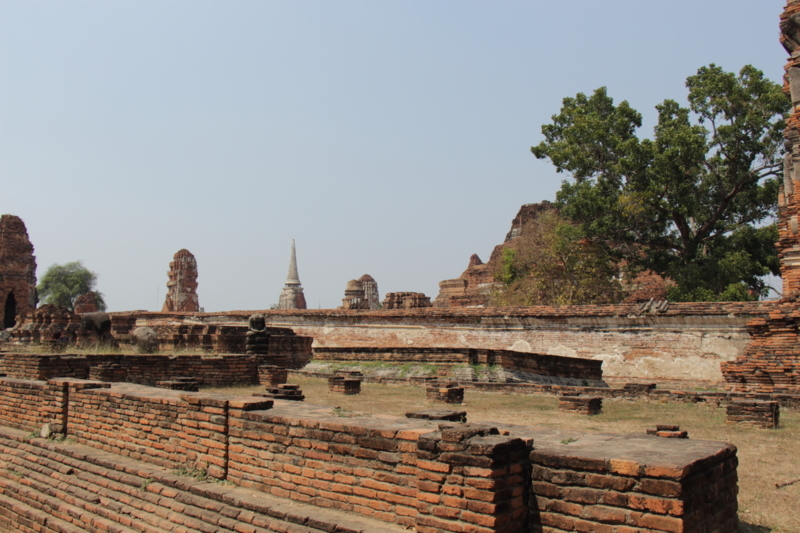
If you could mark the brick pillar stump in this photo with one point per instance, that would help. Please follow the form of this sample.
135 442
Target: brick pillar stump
585 405
342 385
757 413
272 375
471 479
449 393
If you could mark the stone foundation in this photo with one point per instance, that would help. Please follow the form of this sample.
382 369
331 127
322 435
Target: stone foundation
584 405
341 385
754 413
272 375
449 393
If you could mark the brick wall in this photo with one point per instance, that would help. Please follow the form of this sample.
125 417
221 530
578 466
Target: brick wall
544 365
211 370
687 341
416 473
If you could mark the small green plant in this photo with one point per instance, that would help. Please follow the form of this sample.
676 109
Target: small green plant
341 412
568 441
196 473
32 435
145 484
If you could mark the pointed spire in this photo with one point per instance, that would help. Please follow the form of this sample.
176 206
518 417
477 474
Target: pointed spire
292 294
293 277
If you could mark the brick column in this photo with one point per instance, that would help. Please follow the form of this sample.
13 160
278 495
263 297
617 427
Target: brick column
470 478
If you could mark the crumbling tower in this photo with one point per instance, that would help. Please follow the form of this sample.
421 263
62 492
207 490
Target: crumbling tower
789 196
17 271
292 296
370 291
182 284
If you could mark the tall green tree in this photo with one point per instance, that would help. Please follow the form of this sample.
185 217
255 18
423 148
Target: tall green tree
551 263
692 204
63 284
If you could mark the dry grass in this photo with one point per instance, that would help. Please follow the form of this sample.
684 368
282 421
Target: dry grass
766 457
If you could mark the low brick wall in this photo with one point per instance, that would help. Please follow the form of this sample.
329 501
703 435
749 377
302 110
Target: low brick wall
211 370
544 365
413 472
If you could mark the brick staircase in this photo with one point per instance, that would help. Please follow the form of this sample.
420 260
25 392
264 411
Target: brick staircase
48 486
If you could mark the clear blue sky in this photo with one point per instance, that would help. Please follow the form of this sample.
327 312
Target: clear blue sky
389 138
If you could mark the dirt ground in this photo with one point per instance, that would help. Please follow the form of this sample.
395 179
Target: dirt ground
766 457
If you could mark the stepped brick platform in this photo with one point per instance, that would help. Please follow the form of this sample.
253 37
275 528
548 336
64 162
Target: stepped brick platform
403 472
754 413
585 405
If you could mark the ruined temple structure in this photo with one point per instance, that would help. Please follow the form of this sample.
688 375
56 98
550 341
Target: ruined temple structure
472 287
182 284
789 196
406 300
370 291
292 296
354 296
87 303
771 361
17 271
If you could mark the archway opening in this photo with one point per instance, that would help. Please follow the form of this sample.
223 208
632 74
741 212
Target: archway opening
10 312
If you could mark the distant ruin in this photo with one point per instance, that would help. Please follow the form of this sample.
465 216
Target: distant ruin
354 296
292 296
182 284
405 300
17 271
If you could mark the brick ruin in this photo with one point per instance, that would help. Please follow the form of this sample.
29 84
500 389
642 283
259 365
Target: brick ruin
17 271
370 287
328 473
405 300
472 288
292 296
87 303
771 361
182 284
354 296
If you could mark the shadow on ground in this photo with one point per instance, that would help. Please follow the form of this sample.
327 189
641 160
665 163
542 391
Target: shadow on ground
744 527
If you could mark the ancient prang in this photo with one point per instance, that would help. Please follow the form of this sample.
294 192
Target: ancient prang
789 196
182 284
370 291
292 296
354 296
17 271
771 361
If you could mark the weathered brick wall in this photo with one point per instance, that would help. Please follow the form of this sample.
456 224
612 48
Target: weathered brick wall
771 361
545 365
21 402
211 370
417 473
591 485
686 342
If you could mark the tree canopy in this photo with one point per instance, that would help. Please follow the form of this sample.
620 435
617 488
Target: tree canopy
692 204
63 284
551 263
